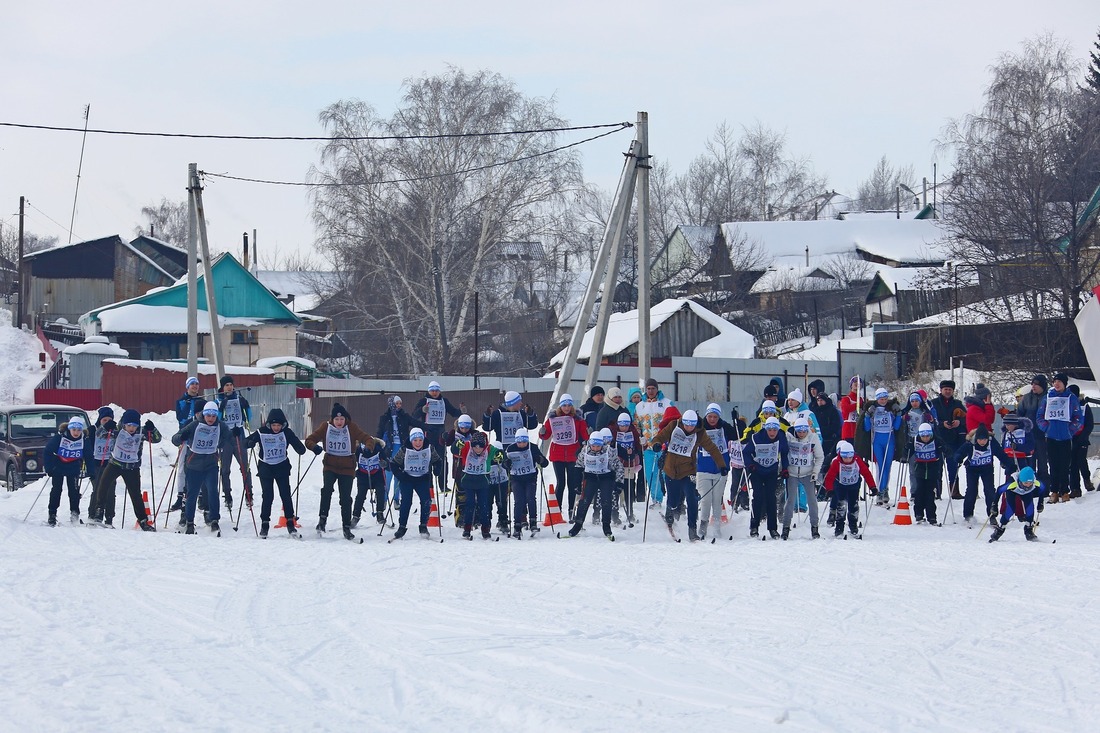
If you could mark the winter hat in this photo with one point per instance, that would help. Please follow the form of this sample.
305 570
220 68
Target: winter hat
479 440
131 417
981 391
105 412
1041 380
595 391
880 393
614 392
596 440
464 421
672 412
853 381
801 423
715 409
394 402
981 433
1075 389
845 449
923 395
511 398
767 406
226 380
210 408
276 416
817 386
796 395
433 385
914 396
339 410
771 390
624 418
1026 475
496 444
1060 377
77 423
521 436
947 383
607 434
691 417
565 400
924 429
190 381
772 423
651 382
416 433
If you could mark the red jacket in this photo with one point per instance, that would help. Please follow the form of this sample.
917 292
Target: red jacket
979 413
849 414
834 471
565 453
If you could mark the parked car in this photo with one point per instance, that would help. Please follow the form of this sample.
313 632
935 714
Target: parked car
24 430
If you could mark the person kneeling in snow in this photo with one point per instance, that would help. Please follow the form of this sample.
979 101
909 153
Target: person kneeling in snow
340 434
1018 498
842 480
206 439
273 467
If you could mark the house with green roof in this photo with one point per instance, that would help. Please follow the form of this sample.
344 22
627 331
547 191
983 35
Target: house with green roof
254 323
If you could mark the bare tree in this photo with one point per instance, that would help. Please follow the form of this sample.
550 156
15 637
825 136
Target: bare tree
9 242
880 189
166 221
778 186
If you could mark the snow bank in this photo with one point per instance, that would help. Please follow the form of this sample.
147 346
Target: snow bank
274 361
20 369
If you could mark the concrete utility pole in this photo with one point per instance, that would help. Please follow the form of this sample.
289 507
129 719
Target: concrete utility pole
643 247
208 277
22 280
192 277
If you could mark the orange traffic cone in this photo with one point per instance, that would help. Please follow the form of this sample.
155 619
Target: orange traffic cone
282 523
148 510
553 511
433 518
725 516
901 513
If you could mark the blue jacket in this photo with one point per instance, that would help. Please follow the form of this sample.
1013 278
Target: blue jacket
68 465
1060 429
759 439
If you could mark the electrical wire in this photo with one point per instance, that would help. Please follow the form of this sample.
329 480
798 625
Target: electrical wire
312 138
475 169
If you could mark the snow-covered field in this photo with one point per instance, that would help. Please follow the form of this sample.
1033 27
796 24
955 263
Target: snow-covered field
914 628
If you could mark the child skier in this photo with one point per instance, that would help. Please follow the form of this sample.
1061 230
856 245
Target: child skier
978 454
477 459
685 440
766 455
882 423
1018 499
804 459
926 471
339 435
206 438
1017 441
498 488
412 467
237 414
273 467
456 439
602 468
188 408
843 480
125 463
628 446
370 476
66 455
710 481
520 459
567 432
102 434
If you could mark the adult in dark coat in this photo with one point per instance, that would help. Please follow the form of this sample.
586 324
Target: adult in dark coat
950 427
591 409
1029 408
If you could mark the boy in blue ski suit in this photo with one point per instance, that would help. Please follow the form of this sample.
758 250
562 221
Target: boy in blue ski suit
882 420
1018 499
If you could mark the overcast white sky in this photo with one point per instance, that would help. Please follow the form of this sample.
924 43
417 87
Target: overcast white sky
847 81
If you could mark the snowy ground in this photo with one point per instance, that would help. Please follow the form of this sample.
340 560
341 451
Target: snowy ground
21 369
914 628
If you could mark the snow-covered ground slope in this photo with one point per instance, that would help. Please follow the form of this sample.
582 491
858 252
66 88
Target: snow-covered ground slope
20 369
914 628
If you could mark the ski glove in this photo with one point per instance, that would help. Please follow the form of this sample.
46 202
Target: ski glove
318 450
725 472
784 473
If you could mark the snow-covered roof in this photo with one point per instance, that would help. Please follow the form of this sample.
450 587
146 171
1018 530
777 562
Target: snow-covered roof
622 332
271 362
299 283
792 278
996 310
141 318
895 240
181 366
107 349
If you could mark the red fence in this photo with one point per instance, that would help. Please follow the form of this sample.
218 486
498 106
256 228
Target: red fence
156 390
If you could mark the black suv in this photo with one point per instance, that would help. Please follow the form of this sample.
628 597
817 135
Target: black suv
24 430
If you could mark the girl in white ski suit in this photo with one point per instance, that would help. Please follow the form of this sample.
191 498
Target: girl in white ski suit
805 458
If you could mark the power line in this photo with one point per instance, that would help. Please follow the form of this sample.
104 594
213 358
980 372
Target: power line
475 169
314 138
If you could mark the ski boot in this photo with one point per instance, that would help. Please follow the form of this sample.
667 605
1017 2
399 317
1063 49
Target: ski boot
264 526
596 514
575 529
177 506
347 533
354 520
814 534
1029 533
754 532
786 531
423 529
322 521
703 529
215 528
146 526
485 533
468 532
773 534
228 500
52 519
190 528
997 532
400 532
693 534
74 518
615 519
109 522
183 520
291 529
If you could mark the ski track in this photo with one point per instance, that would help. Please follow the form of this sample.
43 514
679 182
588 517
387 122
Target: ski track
912 629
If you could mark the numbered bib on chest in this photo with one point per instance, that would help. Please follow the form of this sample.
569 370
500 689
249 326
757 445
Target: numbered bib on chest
99 450
625 439
233 415
800 455
597 462
370 464
737 455
1016 437
272 447
338 441
417 462
882 420
718 437
477 464
981 457
849 473
497 474
127 447
510 422
563 430
206 438
1057 409
71 450
767 454
523 463
926 452
437 412
681 443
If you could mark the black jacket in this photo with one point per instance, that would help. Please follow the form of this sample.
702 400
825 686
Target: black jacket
435 430
947 411
828 419
270 470
405 423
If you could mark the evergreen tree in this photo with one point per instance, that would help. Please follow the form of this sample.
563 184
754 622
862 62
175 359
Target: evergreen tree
1092 74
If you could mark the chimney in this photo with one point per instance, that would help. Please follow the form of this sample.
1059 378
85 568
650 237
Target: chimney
245 260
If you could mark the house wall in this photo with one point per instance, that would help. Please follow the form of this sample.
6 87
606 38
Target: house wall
272 340
134 275
68 298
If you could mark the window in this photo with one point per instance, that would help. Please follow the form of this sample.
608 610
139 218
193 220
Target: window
241 338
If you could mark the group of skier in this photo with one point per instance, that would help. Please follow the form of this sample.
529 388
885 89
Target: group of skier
793 453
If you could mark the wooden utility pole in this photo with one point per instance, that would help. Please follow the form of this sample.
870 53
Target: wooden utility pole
208 278
22 280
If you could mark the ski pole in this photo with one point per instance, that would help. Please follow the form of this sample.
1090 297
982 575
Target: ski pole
645 520
44 482
389 517
300 479
171 476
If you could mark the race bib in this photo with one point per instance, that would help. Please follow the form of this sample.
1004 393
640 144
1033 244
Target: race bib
206 438
510 422
849 473
272 448
99 450
370 464
681 443
767 454
925 452
338 441
563 430
981 457
625 439
71 450
477 464
801 455
1016 437
597 462
737 455
232 414
523 463
883 420
1057 409
417 462
718 437
437 412
127 447
497 474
